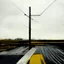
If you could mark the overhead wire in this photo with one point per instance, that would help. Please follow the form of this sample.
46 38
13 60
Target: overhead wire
39 14
47 7
23 12
25 15
28 15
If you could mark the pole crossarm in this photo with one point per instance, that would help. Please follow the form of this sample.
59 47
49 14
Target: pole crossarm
36 15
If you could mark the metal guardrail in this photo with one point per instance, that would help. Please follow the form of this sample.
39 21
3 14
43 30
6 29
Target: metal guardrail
27 56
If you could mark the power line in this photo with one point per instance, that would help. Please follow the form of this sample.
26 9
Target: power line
24 12
44 9
47 7
34 15
31 18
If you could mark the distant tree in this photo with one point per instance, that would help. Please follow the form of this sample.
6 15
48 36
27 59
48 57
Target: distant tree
18 39
9 39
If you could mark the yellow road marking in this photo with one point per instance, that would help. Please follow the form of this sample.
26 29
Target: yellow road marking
37 59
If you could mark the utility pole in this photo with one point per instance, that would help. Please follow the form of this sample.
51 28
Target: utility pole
30 21
29 27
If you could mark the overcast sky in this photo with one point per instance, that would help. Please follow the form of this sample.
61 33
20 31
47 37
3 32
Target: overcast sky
14 24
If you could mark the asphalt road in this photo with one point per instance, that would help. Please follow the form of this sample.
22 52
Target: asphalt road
51 55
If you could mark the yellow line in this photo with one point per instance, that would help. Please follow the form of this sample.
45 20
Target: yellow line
37 59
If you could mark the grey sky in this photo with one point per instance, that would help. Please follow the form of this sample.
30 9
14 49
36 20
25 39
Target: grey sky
14 24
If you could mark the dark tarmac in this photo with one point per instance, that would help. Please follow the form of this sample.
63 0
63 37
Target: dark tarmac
52 55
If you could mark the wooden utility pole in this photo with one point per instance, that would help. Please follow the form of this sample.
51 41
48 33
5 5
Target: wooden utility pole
29 27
